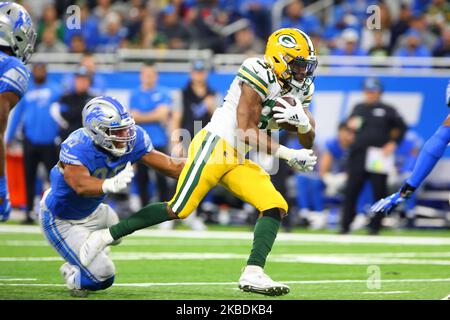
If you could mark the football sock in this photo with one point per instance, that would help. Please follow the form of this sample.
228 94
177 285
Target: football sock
148 216
264 235
431 152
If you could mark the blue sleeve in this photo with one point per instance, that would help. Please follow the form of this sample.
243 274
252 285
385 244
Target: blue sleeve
431 152
143 144
14 78
74 151
15 120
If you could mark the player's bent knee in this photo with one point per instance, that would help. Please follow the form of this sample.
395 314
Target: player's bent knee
275 213
106 271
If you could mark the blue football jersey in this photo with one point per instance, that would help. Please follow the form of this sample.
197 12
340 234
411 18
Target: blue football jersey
14 76
79 149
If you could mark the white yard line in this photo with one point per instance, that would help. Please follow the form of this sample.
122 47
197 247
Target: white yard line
331 238
18 279
384 292
411 258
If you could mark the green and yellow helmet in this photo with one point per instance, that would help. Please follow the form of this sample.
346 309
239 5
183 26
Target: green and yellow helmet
292 56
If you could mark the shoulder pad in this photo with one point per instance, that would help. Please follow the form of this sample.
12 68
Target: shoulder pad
257 74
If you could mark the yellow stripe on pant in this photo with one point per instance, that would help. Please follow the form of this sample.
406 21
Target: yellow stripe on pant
211 160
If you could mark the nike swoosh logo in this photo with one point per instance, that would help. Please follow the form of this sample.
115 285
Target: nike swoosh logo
255 70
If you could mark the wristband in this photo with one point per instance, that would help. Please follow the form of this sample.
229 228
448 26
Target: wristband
406 190
106 186
304 129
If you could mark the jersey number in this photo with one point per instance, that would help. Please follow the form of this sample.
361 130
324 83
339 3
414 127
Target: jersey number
102 173
270 76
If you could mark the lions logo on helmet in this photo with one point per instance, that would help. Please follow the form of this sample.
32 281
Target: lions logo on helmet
292 56
16 30
110 125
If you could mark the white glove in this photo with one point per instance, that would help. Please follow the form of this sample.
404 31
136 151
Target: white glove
301 160
119 182
294 115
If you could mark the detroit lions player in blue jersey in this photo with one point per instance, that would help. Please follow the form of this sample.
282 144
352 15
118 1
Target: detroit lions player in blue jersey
17 39
94 160
431 152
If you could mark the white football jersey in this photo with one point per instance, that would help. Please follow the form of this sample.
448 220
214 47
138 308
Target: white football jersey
258 74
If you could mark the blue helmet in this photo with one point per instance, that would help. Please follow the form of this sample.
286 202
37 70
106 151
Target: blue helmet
110 125
16 30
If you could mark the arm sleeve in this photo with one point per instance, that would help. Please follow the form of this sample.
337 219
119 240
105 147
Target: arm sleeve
14 79
143 144
431 152
75 152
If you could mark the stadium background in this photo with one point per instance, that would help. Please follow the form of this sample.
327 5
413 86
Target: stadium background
398 264
224 33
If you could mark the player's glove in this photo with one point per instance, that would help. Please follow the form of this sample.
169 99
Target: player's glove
301 160
119 182
387 205
293 115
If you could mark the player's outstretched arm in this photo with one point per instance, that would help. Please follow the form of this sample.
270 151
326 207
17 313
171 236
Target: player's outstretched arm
431 152
168 166
80 180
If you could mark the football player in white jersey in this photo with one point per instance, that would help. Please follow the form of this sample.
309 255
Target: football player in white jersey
215 155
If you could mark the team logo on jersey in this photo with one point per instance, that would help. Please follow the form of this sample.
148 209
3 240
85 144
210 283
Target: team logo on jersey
287 41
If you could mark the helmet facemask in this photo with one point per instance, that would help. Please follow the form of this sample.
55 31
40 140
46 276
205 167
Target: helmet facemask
118 140
301 70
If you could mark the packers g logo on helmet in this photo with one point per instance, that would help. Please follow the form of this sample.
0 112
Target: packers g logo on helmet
287 50
287 41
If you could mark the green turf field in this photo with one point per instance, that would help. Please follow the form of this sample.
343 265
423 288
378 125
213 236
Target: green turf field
183 264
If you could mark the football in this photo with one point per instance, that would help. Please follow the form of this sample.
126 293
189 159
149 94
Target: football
291 101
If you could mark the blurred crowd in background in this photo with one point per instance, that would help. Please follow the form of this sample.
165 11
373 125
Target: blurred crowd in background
408 28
